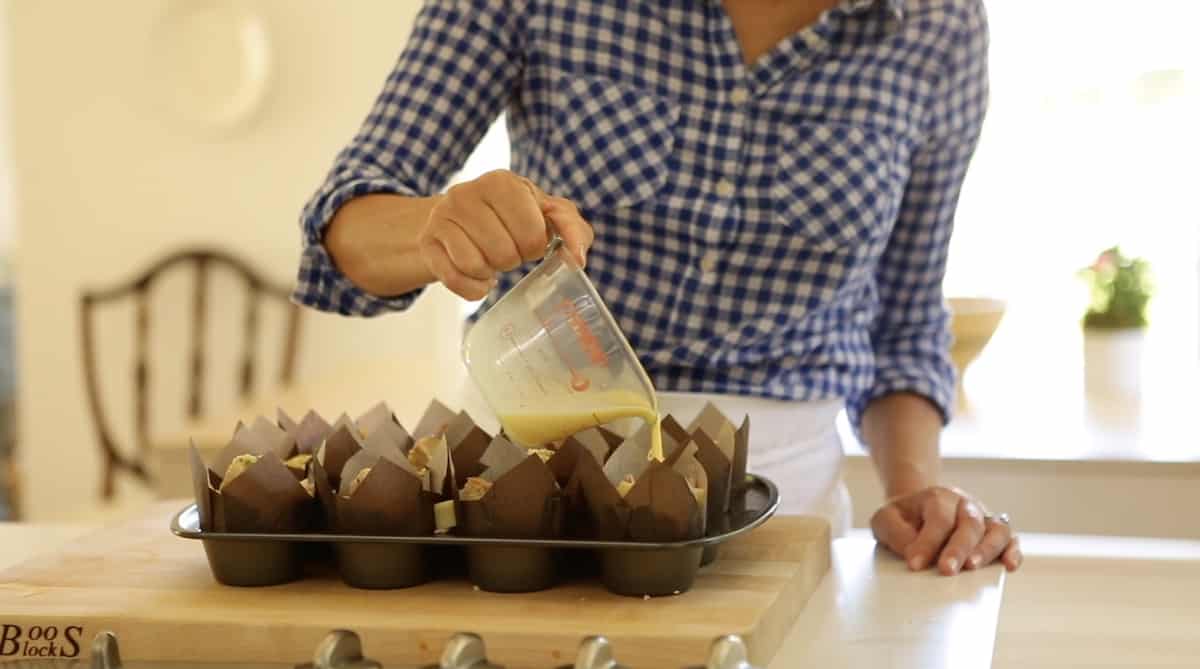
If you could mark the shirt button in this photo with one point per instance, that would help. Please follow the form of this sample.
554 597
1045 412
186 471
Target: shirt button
708 263
725 188
739 96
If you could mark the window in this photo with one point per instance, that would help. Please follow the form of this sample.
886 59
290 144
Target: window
1091 140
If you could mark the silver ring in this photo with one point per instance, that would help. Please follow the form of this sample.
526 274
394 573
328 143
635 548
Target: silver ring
1001 518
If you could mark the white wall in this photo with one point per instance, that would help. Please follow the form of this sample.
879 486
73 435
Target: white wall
6 196
106 181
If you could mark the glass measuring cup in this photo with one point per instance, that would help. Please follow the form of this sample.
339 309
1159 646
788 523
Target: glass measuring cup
550 360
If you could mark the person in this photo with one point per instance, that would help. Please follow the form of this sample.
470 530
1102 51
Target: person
763 193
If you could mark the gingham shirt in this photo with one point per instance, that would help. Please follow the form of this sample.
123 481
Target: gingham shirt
778 230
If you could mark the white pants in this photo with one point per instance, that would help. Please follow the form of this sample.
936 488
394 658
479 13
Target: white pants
795 444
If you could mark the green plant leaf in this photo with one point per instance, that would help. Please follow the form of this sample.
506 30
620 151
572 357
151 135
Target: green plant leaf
1120 288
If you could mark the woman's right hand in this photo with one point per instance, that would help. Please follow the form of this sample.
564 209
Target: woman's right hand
494 224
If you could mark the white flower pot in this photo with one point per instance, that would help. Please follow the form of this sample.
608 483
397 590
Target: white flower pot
1112 362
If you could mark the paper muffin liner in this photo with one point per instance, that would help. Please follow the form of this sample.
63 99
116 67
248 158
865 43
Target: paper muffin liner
343 441
302 440
712 429
261 495
388 499
522 500
586 448
390 482
666 502
308 433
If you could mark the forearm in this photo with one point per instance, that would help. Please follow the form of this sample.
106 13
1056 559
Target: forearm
902 432
373 241
361 228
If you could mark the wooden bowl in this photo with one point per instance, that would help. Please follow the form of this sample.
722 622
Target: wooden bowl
973 321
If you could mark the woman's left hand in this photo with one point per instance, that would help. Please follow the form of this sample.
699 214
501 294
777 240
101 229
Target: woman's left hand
946 527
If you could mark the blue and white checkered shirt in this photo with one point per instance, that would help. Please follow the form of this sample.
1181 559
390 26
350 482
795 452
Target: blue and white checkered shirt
778 230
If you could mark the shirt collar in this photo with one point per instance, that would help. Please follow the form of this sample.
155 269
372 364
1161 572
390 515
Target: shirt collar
896 7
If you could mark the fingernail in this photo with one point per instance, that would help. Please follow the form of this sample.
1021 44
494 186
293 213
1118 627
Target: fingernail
582 255
952 563
974 561
915 562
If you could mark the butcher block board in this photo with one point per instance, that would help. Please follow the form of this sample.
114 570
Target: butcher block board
155 592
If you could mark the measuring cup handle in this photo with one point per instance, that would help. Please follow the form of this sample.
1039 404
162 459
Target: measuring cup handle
556 241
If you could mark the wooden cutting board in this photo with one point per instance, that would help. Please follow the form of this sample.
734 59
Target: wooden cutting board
155 592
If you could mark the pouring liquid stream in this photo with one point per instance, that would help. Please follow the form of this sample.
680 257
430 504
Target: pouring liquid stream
536 428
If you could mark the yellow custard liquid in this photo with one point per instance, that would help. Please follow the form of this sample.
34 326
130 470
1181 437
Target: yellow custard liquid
539 428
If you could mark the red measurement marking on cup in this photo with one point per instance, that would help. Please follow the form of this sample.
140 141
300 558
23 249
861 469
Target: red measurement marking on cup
583 333
579 382
509 332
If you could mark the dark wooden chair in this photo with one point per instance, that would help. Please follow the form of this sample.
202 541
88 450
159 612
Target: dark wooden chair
203 261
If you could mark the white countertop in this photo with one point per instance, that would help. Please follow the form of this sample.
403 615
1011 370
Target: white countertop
1083 601
870 611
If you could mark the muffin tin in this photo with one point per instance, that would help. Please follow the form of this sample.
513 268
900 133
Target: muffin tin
493 564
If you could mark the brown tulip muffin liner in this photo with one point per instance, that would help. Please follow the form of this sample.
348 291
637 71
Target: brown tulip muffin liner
384 491
263 498
522 501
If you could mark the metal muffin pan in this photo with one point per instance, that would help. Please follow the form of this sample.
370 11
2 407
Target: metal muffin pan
493 564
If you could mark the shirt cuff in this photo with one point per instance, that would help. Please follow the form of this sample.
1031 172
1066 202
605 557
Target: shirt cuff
319 283
933 378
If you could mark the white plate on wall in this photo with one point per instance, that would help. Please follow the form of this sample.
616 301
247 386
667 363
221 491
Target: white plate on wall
210 63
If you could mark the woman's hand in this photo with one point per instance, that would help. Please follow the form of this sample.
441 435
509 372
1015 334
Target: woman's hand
947 527
493 224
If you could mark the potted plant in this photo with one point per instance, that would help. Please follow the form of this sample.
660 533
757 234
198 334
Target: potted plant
1114 325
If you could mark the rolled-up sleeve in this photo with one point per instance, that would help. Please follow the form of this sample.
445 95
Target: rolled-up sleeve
454 77
911 336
